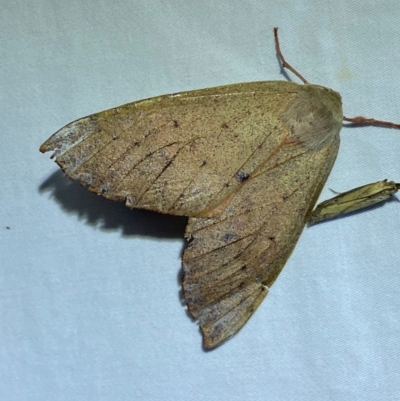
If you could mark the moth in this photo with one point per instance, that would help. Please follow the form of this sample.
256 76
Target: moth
244 162
354 200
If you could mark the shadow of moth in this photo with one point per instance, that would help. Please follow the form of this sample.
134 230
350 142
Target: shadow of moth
245 162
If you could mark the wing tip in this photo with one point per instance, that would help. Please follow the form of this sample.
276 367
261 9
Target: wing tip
70 135
221 329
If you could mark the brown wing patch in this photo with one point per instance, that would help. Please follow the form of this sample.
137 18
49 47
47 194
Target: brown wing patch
178 154
231 260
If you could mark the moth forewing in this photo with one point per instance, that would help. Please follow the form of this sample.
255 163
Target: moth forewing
353 200
177 154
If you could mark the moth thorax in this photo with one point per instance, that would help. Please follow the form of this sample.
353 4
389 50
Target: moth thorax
314 116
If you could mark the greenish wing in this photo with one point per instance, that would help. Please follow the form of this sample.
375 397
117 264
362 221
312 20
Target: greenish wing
183 154
232 260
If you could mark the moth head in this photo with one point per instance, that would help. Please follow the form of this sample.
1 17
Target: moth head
313 116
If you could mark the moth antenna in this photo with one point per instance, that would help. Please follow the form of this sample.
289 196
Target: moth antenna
285 64
360 120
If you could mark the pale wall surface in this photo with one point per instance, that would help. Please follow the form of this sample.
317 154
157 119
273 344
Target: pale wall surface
89 293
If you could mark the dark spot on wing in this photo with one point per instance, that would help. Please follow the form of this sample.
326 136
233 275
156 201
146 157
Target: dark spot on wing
242 176
189 241
229 236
